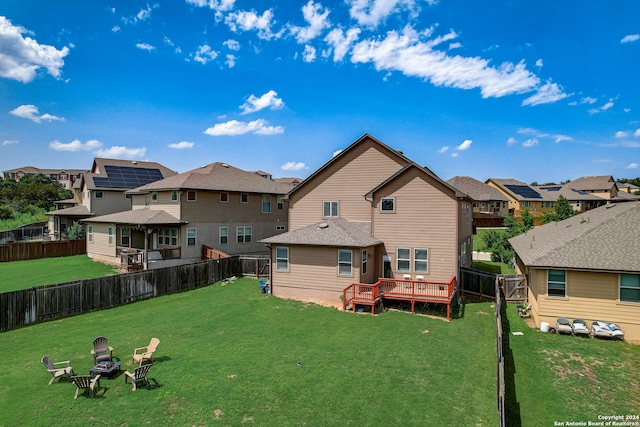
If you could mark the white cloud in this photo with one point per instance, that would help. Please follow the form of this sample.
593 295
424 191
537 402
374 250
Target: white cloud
75 145
181 145
608 105
309 53
341 42
231 61
588 100
21 57
145 46
545 94
621 134
372 12
268 100
235 127
232 44
512 141
335 153
532 142
317 17
455 45
632 166
121 152
636 133
251 21
630 38
9 142
454 155
539 63
31 112
294 166
142 15
217 5
115 28
204 54
444 149
168 41
559 138
466 144
407 53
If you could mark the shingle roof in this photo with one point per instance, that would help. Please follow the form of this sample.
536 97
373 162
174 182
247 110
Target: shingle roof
74 211
603 182
144 216
606 238
332 232
477 190
217 177
551 193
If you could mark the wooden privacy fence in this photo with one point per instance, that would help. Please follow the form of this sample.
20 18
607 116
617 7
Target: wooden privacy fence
27 306
482 284
22 251
500 344
255 265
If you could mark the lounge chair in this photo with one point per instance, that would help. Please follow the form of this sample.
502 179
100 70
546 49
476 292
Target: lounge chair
58 369
139 376
85 382
580 327
563 326
102 351
144 353
606 330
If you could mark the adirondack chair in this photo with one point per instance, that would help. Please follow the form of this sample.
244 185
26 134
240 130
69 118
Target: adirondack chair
139 376
141 354
85 382
58 369
102 351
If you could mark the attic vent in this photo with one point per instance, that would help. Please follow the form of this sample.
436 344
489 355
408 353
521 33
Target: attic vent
323 225
610 206
134 162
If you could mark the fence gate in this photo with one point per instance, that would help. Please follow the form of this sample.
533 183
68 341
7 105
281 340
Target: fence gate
515 287
481 283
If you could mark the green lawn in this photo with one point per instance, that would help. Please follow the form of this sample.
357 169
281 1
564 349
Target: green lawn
561 378
26 274
230 356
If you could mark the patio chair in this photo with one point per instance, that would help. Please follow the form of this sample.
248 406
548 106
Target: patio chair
139 355
85 382
139 376
64 369
563 326
102 351
616 331
606 330
580 327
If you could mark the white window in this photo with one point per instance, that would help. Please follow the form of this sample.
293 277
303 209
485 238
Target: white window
404 259
191 196
364 261
344 262
125 237
266 203
630 287
174 196
330 209
90 234
420 260
224 235
191 236
243 234
111 233
280 203
168 236
556 283
282 258
224 197
387 205
244 198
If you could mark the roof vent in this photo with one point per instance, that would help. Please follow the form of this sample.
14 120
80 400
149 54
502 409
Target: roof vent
224 165
134 162
323 225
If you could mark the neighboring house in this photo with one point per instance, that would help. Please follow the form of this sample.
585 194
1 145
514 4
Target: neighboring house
173 220
367 213
488 199
101 191
602 186
587 267
625 187
66 177
540 199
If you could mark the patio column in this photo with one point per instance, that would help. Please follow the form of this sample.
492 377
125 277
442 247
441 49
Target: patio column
146 248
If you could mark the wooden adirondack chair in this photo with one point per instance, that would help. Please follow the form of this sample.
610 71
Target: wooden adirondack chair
141 354
58 369
102 351
139 376
85 382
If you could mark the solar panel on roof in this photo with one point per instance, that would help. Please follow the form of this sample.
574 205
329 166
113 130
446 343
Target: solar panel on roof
524 191
551 188
127 177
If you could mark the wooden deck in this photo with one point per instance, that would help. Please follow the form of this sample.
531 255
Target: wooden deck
414 291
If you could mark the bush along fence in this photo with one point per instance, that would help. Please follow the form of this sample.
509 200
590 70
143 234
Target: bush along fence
40 303
23 251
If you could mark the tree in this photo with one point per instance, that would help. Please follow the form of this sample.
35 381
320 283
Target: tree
528 220
76 231
563 208
549 216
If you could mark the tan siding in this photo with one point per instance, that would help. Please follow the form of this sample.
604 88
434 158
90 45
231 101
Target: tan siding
165 203
346 181
424 217
208 207
100 245
111 202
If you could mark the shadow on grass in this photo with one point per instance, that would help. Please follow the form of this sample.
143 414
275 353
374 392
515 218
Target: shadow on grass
512 407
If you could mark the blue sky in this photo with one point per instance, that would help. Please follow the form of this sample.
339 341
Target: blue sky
533 90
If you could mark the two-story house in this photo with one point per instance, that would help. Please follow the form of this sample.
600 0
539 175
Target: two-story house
66 177
488 200
173 220
370 213
603 186
101 191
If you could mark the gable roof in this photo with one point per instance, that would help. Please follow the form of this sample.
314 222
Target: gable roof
143 216
602 182
217 177
332 232
606 238
73 211
552 192
121 175
477 190
354 144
